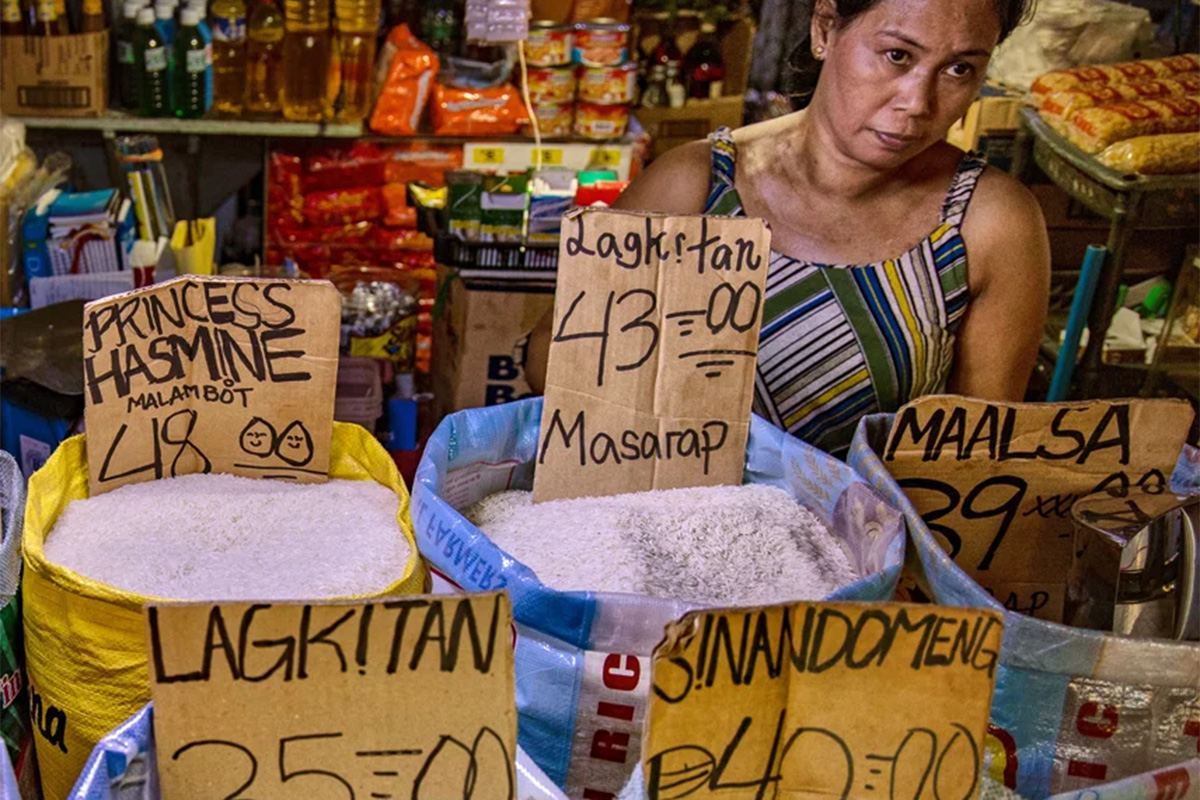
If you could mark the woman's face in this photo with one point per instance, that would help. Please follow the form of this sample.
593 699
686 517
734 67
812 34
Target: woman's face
897 76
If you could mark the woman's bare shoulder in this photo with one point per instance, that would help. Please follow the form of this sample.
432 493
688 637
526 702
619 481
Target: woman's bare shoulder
1005 231
676 183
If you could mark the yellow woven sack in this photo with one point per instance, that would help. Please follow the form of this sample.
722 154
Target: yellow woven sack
85 641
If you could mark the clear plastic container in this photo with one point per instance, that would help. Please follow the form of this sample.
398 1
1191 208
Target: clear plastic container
264 58
306 57
357 22
229 55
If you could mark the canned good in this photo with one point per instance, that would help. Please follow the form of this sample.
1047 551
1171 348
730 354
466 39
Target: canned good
599 122
608 86
552 84
554 119
550 44
601 43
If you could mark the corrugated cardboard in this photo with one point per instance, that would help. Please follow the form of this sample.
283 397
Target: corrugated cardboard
652 354
54 76
479 339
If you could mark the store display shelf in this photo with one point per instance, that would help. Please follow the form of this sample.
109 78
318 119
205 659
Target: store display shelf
116 122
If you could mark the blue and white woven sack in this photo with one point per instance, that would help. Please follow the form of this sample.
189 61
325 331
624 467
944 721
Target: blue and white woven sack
1073 709
582 659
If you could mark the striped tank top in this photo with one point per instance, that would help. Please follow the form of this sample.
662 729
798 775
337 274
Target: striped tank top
841 341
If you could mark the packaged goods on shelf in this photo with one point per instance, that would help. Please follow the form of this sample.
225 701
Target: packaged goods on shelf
1061 106
550 44
601 122
59 76
601 43
464 204
405 77
555 120
1125 72
478 112
552 84
608 85
1164 154
1094 129
503 202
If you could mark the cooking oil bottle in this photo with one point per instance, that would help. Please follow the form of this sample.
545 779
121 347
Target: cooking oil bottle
357 23
229 55
264 56
306 47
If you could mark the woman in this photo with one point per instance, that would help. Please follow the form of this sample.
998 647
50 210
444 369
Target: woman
863 177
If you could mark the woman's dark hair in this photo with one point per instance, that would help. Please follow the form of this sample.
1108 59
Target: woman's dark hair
805 69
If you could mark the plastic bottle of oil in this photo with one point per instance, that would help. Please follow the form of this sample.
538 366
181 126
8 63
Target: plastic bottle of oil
264 58
357 23
306 46
229 55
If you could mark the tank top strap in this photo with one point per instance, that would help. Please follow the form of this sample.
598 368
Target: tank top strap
954 209
725 154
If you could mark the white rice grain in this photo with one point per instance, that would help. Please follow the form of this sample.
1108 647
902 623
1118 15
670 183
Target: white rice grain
221 537
738 545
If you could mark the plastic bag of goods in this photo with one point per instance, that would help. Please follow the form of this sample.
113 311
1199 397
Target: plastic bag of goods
1164 154
1108 74
124 766
1094 129
478 112
16 736
405 77
92 563
1059 107
1072 707
593 581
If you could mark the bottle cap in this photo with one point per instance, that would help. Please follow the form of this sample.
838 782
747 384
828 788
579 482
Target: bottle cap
708 27
190 17
130 9
164 11
146 16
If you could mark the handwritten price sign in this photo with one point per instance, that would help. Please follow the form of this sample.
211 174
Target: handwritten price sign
827 701
211 375
652 358
995 482
406 697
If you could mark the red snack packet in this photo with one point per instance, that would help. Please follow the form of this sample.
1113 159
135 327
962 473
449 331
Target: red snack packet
478 112
406 73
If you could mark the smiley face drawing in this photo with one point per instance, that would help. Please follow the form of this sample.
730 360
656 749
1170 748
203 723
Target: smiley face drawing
258 438
295 445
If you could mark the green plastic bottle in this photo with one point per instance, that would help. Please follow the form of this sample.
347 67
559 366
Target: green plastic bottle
150 52
191 68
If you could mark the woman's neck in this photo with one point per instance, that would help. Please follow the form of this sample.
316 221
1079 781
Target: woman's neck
811 156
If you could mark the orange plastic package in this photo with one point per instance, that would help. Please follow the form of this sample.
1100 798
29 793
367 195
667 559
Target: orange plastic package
477 112
406 82
396 210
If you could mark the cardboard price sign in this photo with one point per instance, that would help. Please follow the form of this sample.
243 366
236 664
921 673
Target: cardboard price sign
652 355
995 481
405 697
813 701
211 375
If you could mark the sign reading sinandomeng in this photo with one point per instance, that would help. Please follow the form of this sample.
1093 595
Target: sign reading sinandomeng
822 701
211 375
995 481
405 697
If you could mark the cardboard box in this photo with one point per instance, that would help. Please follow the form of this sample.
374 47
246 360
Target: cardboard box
54 76
479 339
671 127
990 126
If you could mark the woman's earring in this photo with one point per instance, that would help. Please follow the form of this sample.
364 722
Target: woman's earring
819 53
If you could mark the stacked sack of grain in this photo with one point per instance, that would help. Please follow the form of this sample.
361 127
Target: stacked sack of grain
92 563
593 581
1136 117
1076 713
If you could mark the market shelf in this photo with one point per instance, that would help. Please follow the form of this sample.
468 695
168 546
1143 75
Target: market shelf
116 122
